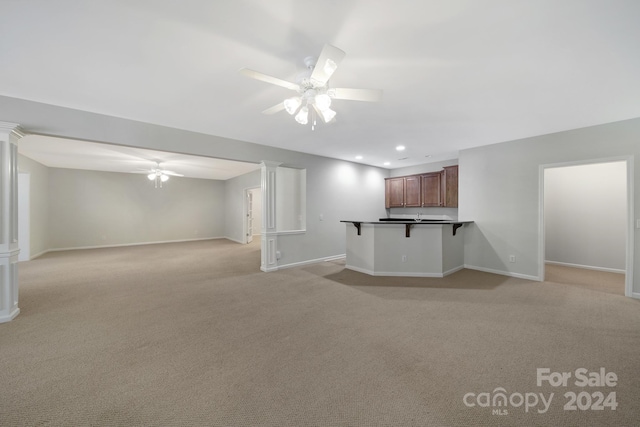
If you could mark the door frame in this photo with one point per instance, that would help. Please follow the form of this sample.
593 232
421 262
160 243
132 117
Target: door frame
245 213
628 288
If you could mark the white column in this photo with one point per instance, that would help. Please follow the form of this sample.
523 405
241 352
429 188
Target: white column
10 133
269 243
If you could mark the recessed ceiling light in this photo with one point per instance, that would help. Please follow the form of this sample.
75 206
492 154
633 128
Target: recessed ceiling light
400 148
358 157
386 163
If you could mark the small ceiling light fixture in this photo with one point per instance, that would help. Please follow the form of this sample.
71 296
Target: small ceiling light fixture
400 148
303 116
292 104
358 157
386 163
323 102
328 115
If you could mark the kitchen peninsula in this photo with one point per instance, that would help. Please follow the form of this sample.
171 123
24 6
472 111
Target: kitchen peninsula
405 247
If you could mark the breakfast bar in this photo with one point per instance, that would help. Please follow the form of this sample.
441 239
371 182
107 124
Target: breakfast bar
405 247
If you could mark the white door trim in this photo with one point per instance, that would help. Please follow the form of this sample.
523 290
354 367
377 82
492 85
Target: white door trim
628 289
245 212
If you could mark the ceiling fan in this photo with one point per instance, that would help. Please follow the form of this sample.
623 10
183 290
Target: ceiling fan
159 175
314 94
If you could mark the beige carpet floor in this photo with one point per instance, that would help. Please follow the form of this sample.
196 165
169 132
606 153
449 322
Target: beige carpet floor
193 334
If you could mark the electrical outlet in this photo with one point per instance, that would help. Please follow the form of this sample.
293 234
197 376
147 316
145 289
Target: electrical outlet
512 258
321 217
404 258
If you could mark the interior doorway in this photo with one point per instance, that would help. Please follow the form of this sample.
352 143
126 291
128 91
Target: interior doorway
252 213
587 221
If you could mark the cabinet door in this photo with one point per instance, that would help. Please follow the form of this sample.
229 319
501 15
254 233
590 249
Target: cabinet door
431 191
394 192
450 186
412 191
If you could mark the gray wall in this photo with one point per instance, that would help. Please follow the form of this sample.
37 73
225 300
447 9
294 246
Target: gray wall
291 199
39 205
91 208
585 214
500 191
336 191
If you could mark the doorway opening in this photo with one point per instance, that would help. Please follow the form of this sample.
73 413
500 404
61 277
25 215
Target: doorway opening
252 213
586 224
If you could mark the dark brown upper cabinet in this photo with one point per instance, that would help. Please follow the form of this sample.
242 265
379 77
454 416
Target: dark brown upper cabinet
433 189
402 192
450 186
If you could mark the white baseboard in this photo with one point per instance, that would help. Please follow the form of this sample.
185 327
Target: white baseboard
504 273
453 270
36 255
403 274
311 261
233 240
9 317
635 295
77 248
587 267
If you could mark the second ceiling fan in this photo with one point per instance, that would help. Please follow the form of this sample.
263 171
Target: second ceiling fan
314 94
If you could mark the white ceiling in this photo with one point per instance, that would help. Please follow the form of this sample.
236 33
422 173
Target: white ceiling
455 73
73 154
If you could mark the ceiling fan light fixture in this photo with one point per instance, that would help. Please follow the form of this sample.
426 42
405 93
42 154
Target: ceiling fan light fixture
323 102
151 176
164 178
327 115
303 116
314 97
292 104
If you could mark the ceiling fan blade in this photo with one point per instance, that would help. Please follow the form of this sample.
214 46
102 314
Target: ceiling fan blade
328 61
171 173
370 95
269 79
275 109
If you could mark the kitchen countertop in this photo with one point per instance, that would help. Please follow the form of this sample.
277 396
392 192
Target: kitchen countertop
408 223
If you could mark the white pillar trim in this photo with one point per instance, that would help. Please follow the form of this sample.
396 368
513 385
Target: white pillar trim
269 240
10 133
